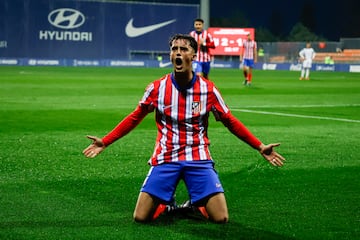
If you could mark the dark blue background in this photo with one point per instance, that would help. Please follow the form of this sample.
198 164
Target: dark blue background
21 21
330 19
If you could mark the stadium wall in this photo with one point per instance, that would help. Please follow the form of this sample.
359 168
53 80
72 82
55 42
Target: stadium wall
83 30
114 34
167 64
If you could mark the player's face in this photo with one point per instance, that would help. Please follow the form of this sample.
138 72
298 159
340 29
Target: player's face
182 55
199 26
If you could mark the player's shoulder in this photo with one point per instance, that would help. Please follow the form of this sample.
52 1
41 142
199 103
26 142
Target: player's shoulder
154 84
164 77
208 82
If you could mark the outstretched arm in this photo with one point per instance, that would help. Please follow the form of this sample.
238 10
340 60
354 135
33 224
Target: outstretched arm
124 127
239 130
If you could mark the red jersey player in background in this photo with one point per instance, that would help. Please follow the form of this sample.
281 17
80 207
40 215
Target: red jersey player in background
248 56
201 64
182 102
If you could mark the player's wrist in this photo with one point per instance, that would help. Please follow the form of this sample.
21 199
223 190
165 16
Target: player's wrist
261 147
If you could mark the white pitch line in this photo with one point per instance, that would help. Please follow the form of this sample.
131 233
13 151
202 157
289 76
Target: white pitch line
306 106
297 115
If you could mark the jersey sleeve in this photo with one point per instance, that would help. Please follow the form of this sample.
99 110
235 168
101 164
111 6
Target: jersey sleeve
238 129
210 43
147 98
223 114
133 119
126 125
218 104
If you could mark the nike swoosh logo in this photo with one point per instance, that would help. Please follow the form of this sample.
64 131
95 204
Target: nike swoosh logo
161 64
166 107
132 31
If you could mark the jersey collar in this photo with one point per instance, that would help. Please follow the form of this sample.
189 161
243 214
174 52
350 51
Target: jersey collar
190 85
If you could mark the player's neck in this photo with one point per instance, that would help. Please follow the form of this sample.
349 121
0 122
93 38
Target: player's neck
183 78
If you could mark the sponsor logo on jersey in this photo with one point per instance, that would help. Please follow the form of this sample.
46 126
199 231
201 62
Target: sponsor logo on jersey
196 108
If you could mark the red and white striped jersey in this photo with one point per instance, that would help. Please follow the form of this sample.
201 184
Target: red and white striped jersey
249 48
203 56
182 118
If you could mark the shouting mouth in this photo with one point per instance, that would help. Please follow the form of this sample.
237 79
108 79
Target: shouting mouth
178 63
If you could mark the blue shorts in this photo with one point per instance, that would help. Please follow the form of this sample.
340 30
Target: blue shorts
200 178
249 63
201 67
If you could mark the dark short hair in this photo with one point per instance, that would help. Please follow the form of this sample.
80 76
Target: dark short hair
199 20
191 40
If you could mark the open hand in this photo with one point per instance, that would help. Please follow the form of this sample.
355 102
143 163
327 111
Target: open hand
96 147
268 152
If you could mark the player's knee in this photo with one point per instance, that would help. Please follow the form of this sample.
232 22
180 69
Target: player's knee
140 218
221 219
220 216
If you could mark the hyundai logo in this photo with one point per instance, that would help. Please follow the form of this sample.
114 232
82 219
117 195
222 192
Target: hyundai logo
66 18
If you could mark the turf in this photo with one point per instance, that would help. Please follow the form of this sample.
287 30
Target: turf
48 190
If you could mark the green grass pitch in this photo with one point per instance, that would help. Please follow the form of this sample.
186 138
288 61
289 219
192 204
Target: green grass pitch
49 190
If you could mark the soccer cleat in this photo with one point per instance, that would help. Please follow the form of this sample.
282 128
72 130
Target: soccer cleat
301 78
186 204
307 78
245 82
171 208
164 209
187 209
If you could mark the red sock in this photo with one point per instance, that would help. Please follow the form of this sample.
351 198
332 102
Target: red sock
203 212
159 210
249 77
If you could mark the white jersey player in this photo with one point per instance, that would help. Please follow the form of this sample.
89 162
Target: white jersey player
307 55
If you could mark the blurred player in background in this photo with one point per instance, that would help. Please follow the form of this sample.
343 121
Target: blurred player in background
248 56
182 102
201 65
307 55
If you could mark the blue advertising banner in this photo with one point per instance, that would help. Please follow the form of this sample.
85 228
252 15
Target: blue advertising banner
73 29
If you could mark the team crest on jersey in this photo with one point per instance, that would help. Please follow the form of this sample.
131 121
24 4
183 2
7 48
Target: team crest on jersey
196 108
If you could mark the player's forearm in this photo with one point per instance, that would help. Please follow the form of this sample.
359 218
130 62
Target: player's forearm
242 132
125 126
210 45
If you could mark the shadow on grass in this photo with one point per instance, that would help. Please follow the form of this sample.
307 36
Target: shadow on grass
234 230
108 203
208 230
203 229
